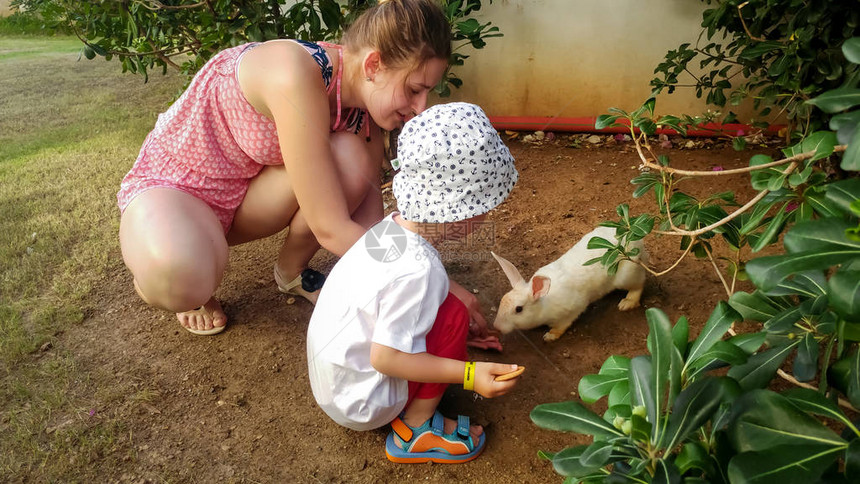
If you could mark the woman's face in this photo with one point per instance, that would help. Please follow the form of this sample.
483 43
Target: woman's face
399 95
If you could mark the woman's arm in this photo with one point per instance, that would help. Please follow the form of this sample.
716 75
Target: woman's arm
283 82
424 367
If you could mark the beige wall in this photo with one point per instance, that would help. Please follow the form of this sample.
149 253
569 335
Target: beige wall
4 7
573 58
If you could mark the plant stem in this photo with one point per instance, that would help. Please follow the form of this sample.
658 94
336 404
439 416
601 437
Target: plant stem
725 220
658 274
717 269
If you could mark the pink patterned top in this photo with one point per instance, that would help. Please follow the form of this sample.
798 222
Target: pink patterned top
211 141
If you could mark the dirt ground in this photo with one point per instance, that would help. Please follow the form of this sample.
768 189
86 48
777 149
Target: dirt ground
238 407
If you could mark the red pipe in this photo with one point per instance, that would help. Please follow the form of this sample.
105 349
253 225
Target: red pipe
586 125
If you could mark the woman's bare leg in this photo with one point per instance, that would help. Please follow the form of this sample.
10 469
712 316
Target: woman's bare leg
270 204
174 246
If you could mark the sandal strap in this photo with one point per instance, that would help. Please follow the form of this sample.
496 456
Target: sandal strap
463 427
286 286
312 280
437 424
403 431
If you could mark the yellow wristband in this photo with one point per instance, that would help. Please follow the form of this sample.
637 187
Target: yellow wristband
469 376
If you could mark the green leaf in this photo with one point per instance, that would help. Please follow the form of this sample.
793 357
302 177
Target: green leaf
767 272
605 120
641 391
760 368
851 156
851 50
820 235
837 100
757 215
666 473
619 395
755 306
718 323
749 342
817 200
600 243
761 178
568 463
784 321
773 229
661 346
854 379
681 334
762 419
809 283
806 362
845 124
596 454
594 387
720 351
757 49
640 428
844 293
615 365
852 461
783 464
813 402
820 142
693 408
571 417
849 331
693 455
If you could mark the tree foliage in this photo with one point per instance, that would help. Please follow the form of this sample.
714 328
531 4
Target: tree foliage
780 53
183 34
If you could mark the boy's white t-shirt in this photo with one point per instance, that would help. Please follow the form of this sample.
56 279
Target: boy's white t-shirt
386 289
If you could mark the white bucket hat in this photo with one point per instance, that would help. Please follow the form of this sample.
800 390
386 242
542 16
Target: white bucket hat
453 165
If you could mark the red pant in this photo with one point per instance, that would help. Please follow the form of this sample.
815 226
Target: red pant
448 340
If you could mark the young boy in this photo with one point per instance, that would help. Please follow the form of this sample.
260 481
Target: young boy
386 337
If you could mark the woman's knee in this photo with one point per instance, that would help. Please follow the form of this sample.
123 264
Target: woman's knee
358 162
174 248
177 283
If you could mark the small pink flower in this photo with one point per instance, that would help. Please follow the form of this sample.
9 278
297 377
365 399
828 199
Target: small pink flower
92 412
740 132
717 168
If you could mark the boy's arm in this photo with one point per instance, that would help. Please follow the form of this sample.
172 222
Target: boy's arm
424 367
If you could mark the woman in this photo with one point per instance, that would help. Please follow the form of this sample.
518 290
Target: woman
271 135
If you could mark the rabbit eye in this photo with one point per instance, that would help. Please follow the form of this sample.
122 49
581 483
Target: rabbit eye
519 309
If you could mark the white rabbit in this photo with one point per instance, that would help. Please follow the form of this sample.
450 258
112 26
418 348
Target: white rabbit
560 291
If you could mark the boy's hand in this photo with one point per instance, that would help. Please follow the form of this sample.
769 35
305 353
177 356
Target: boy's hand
485 383
479 334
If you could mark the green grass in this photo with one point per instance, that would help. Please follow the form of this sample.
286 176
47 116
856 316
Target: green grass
22 23
69 130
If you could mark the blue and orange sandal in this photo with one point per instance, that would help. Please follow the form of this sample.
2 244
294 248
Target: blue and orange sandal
429 443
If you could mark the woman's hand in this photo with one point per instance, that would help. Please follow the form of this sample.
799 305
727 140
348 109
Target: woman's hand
480 335
485 379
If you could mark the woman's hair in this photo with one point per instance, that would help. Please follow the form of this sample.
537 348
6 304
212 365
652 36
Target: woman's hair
406 33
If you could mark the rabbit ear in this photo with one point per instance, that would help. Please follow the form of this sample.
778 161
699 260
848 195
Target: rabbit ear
540 287
510 271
